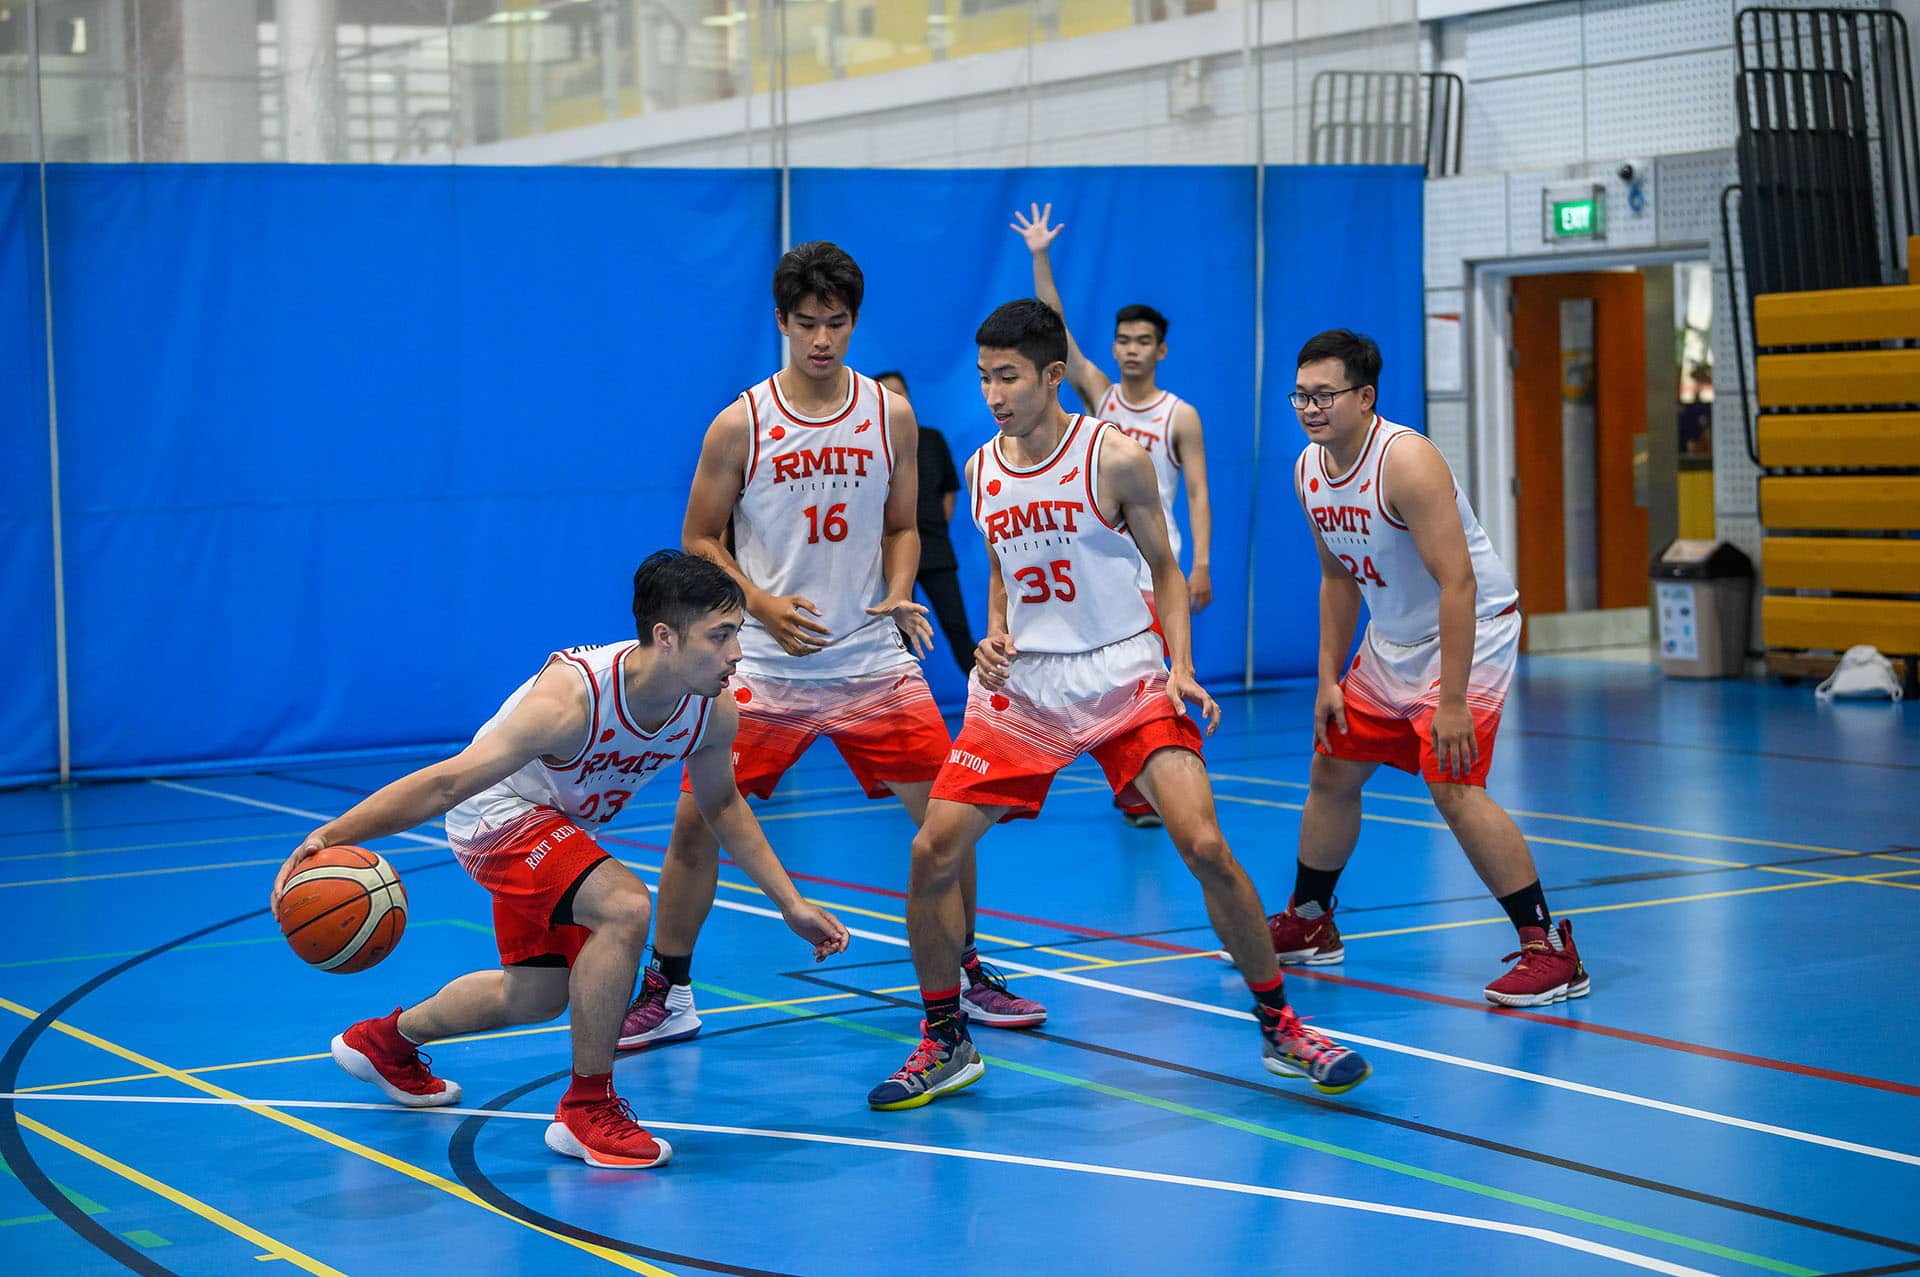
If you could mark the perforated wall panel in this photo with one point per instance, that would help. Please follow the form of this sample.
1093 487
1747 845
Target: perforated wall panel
1528 122
1447 427
1544 37
1686 197
1466 221
1656 107
1619 30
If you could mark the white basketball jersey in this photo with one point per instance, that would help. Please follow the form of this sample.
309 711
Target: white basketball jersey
1351 515
616 759
1151 427
810 521
1069 574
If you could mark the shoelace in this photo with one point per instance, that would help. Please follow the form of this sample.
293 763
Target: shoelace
611 1115
1529 948
1313 1043
981 973
416 1070
649 982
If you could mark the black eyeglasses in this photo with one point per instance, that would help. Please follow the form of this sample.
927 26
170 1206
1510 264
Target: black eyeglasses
1320 399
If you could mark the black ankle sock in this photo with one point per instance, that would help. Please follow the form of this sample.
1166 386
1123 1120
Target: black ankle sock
1271 997
678 969
1314 884
943 1011
1528 907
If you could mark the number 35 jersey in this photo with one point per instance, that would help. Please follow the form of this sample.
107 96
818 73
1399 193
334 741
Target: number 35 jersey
810 520
1351 516
616 760
1070 575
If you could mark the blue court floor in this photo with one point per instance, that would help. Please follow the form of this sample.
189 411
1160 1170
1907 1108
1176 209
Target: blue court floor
1740 1094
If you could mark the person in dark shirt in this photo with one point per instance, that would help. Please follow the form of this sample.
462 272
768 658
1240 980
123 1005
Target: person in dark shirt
939 577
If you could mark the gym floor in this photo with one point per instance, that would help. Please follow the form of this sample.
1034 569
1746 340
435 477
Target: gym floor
1739 1093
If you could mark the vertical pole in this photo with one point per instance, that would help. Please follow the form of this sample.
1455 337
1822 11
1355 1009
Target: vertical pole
65 728
1259 98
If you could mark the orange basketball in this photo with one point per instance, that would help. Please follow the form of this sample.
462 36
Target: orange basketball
345 910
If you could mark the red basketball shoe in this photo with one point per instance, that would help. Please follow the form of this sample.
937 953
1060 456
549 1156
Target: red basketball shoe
1544 974
374 1051
1313 942
601 1131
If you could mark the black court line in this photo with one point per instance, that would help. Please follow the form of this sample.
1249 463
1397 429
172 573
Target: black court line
1878 1272
464 1159
1438 1132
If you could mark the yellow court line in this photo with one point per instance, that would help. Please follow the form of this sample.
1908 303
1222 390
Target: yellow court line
1586 820
277 1249
420 1174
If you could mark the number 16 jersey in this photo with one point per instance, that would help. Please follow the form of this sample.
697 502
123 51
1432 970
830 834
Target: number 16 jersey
1069 574
810 520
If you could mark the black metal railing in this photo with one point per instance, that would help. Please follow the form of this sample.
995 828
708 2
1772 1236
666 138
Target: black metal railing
1388 117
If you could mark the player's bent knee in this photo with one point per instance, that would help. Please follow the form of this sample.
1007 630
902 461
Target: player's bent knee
1335 779
1454 801
934 857
1205 852
624 912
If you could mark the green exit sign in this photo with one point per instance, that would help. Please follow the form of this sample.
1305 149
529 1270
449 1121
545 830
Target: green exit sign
1582 216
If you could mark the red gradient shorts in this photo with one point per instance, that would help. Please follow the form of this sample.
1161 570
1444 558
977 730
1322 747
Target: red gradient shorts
528 867
1393 689
1110 703
885 725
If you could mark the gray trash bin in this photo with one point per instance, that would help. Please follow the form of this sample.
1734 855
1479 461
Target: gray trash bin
1701 596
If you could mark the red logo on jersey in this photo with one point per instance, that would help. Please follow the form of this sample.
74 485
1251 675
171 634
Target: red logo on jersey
606 736
1313 485
1366 485
743 694
677 735
1070 476
993 487
897 682
804 463
778 432
1157 420
1034 516
998 701
1343 518
861 428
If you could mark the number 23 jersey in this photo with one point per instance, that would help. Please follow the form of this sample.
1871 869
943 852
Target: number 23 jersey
810 520
1351 516
1070 575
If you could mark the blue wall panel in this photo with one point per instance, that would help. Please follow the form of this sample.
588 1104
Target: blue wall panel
938 257
1343 251
29 734
356 446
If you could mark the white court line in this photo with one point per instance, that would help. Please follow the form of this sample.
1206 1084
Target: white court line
1565 1241
1479 1066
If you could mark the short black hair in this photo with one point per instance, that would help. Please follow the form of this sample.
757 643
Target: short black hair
1029 326
818 269
1355 351
894 373
679 589
1137 313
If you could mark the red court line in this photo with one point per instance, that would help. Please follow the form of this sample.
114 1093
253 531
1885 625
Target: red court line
1394 990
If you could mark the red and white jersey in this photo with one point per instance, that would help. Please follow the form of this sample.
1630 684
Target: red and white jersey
1070 575
1351 515
1151 426
810 520
616 759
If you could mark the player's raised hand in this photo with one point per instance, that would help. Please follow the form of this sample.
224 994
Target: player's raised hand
786 618
818 928
1329 705
1183 687
911 617
1033 227
290 867
993 660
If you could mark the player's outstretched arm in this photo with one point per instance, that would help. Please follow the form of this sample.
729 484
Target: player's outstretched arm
1417 485
791 619
900 539
1190 454
1036 231
551 719
1127 478
710 772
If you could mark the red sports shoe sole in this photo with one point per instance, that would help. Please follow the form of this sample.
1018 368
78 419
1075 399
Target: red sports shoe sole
561 1140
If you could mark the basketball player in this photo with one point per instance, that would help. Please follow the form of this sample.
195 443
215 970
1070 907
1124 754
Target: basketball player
567 752
815 471
1158 420
1070 666
1425 692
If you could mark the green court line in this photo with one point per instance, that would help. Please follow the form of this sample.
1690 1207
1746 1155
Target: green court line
74 1195
461 923
1321 1146
146 1237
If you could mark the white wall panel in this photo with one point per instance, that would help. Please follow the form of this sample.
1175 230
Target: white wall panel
1466 220
1526 41
1687 195
1447 427
1528 122
1660 106
1618 30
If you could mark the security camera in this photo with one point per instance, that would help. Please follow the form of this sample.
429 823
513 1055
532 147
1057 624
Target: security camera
1626 172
